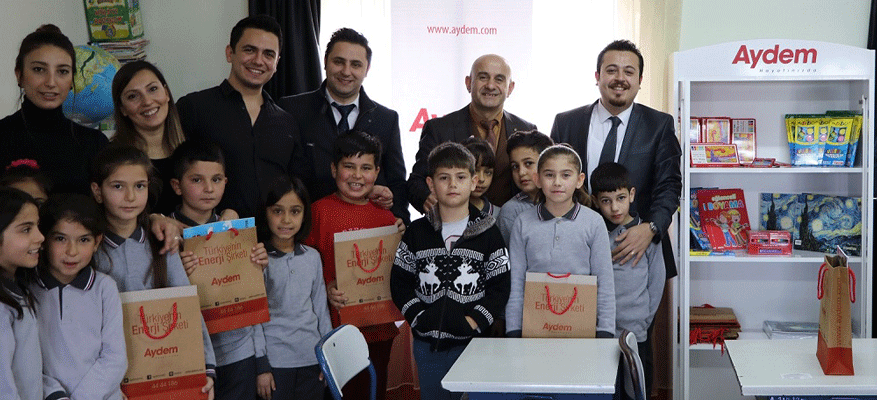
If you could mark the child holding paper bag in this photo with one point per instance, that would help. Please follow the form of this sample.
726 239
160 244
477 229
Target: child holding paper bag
120 181
355 167
561 235
199 179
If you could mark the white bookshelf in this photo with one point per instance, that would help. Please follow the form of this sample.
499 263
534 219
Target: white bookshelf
709 84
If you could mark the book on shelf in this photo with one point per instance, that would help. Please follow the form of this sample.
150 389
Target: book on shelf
699 240
790 330
743 135
817 222
724 218
829 140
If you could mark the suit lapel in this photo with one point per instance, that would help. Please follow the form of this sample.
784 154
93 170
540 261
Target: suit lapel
582 137
629 134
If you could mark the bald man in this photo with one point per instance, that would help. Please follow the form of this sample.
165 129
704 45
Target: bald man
490 83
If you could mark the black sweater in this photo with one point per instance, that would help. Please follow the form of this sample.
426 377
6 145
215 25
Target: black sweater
62 148
437 289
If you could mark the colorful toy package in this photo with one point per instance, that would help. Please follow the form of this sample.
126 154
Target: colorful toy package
837 145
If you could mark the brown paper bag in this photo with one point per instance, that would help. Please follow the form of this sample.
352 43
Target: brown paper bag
836 289
559 306
231 288
165 349
363 261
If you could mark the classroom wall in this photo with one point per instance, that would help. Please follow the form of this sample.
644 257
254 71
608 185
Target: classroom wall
706 22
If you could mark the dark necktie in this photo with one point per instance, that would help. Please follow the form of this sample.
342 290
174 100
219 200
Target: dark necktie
490 136
343 126
608 153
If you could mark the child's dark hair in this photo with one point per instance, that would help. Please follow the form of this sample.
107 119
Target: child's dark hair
104 164
356 143
482 152
534 139
564 150
72 207
280 187
190 152
23 170
450 155
609 177
12 201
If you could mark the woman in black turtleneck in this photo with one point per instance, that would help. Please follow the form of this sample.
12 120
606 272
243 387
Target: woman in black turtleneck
39 130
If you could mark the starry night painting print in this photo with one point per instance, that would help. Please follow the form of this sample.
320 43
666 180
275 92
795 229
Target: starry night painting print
829 221
782 212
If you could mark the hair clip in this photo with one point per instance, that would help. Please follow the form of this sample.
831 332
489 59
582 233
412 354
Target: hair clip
24 161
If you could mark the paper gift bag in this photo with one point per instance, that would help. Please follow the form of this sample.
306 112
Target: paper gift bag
836 289
363 260
559 306
231 288
165 349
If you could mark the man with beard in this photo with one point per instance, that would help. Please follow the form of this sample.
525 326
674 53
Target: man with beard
642 139
490 83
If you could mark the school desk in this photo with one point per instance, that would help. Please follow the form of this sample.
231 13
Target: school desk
492 368
789 369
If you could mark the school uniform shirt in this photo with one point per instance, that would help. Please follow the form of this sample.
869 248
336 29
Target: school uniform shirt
331 215
235 345
82 338
575 243
298 307
436 288
638 288
127 262
490 209
509 212
21 362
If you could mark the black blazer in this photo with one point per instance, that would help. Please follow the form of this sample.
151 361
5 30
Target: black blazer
651 153
454 127
313 114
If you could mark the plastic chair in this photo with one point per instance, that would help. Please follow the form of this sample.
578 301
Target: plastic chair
342 354
634 376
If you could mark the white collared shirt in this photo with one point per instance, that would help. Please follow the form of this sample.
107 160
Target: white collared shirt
597 132
354 114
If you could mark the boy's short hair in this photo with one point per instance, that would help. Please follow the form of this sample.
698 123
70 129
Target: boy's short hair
534 139
609 177
356 143
190 151
482 151
450 155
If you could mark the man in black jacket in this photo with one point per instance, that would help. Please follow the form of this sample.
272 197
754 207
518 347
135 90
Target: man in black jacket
341 105
490 83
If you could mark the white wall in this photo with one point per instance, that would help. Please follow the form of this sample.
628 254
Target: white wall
188 39
706 22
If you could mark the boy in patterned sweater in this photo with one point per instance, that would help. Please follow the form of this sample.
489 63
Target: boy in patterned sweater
451 274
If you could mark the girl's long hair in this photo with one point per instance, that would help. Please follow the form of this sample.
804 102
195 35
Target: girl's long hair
12 201
280 187
564 150
105 164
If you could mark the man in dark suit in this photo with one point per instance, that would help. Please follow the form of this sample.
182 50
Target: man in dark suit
341 105
614 128
490 83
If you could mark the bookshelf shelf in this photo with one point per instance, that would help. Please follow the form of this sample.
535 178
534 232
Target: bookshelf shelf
708 83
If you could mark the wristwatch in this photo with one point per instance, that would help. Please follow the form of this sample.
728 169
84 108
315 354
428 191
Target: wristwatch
654 228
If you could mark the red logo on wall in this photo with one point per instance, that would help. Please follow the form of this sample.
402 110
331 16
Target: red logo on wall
774 56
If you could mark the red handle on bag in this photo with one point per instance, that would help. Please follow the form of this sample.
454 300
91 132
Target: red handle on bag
820 283
169 330
558 276
232 230
377 264
575 293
